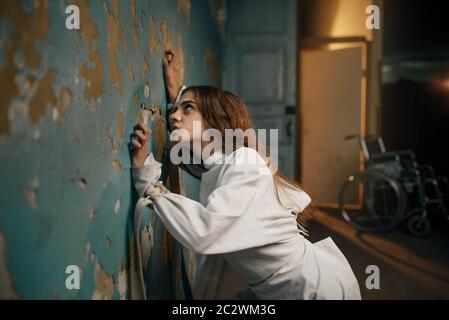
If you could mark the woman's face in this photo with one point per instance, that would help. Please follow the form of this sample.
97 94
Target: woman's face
184 116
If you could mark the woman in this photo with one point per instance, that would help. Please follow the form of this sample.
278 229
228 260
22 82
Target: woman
249 216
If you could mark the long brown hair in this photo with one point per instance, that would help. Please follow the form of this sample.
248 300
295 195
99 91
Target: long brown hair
222 110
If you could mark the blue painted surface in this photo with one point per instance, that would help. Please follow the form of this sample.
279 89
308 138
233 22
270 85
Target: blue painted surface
48 159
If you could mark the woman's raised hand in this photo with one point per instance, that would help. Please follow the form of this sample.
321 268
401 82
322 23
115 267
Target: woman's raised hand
139 143
172 67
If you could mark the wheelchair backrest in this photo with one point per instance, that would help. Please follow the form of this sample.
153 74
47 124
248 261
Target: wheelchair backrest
371 146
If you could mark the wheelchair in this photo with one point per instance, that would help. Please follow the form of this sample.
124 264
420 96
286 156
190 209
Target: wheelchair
393 189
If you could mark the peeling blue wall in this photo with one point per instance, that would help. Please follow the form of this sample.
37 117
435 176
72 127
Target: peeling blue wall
66 196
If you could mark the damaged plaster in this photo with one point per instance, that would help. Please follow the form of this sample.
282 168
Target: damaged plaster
185 6
104 284
9 88
7 287
154 41
134 24
28 29
114 38
43 97
122 281
32 192
69 102
93 75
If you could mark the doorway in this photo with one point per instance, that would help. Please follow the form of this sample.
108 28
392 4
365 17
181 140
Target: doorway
332 105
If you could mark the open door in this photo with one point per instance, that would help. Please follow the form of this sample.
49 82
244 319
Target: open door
332 106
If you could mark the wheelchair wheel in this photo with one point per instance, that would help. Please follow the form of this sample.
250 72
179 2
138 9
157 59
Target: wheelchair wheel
381 202
418 226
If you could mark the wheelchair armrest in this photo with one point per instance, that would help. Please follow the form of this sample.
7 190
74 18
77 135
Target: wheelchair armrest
384 157
406 158
405 154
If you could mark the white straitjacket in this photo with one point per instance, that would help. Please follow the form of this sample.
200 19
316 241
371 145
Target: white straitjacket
238 215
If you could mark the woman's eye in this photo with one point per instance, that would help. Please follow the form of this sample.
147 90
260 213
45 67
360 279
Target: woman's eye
187 108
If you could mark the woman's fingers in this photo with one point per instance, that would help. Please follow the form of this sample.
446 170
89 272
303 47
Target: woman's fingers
144 129
169 54
170 60
136 143
143 138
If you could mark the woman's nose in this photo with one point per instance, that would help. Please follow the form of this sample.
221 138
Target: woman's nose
175 117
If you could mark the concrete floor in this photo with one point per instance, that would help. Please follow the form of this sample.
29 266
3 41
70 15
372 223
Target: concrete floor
410 268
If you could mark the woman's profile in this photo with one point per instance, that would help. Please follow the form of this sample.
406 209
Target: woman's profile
251 214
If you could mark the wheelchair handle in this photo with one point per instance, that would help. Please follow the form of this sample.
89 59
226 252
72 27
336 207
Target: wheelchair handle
357 136
351 136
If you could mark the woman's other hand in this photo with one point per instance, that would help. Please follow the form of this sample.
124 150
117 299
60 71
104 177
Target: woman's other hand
139 143
172 74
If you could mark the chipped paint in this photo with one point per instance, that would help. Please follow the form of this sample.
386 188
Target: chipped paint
104 284
117 165
117 206
146 90
9 88
7 287
65 97
122 281
120 125
187 9
92 75
113 146
185 5
180 52
166 39
146 65
136 113
32 193
115 142
43 97
154 42
22 22
180 6
91 214
131 74
134 24
108 242
114 37
82 182
69 101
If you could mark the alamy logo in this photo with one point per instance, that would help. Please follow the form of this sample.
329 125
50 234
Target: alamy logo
73 20
373 280
72 282
373 20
